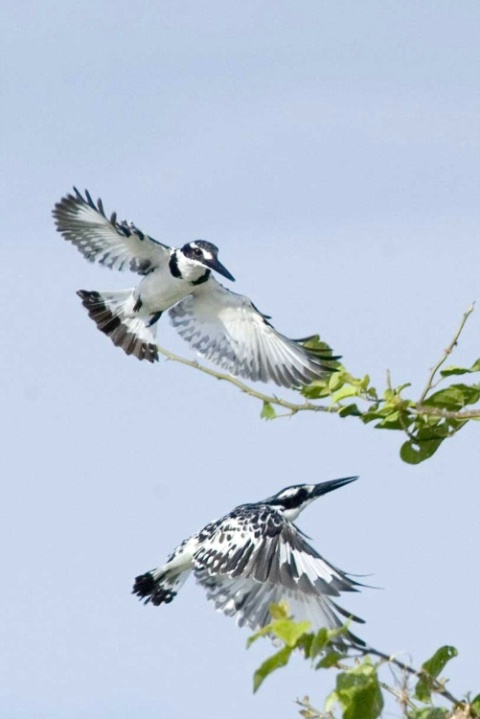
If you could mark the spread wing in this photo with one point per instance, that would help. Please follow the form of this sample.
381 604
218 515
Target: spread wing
245 575
117 245
227 329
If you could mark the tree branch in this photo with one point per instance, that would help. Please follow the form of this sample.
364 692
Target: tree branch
447 414
367 394
437 685
269 399
446 353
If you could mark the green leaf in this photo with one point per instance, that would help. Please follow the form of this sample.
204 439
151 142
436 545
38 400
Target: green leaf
431 669
349 410
320 639
358 693
455 397
439 660
390 396
316 390
400 388
263 632
471 392
371 415
335 381
304 643
315 343
416 452
390 419
344 392
289 631
279 611
395 420
330 659
282 627
365 382
428 428
449 371
322 350
268 412
461 370
475 706
451 398
280 659
428 713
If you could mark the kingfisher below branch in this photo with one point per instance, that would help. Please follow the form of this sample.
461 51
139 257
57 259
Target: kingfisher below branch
254 557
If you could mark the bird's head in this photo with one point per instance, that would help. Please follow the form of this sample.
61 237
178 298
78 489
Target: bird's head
293 500
205 254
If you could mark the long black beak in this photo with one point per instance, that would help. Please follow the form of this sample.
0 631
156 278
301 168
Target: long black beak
325 487
214 264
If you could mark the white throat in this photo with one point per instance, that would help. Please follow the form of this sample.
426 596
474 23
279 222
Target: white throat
292 514
190 270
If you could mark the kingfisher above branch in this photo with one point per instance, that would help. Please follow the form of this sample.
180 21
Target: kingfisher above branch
220 325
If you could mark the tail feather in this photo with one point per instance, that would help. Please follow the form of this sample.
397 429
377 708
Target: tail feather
114 314
159 586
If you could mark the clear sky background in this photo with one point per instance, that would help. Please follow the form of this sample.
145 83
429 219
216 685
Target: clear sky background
330 149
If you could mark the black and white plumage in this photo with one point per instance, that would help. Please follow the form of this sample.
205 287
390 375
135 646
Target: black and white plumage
220 325
256 556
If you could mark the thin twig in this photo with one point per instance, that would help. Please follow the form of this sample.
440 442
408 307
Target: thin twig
389 379
270 399
436 685
310 711
446 353
400 695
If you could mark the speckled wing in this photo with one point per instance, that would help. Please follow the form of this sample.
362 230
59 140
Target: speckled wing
244 570
117 245
227 329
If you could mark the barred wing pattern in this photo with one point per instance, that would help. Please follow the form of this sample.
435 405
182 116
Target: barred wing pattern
116 245
227 329
256 572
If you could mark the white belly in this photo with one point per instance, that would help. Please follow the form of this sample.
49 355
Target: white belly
160 290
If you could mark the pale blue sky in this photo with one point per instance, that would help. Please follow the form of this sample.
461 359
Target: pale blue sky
330 149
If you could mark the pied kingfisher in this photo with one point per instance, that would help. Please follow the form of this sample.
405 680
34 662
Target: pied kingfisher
256 556
220 325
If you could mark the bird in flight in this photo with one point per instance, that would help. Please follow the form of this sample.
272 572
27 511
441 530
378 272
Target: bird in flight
222 326
256 556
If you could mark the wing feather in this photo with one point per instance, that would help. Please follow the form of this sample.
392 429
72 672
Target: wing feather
243 573
227 329
116 245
